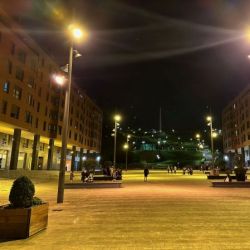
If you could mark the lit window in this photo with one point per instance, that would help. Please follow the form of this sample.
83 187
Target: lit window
17 93
6 87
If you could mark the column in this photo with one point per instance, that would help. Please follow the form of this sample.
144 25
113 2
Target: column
243 156
73 157
81 161
50 154
35 151
15 149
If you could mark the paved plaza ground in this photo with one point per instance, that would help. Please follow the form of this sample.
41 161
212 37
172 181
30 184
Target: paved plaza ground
167 212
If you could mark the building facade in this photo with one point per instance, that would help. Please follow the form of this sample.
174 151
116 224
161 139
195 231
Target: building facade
32 105
236 125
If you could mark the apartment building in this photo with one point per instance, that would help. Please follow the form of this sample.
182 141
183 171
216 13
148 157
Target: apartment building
236 125
32 104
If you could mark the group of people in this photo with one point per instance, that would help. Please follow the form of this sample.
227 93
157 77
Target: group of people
116 173
171 169
87 176
188 170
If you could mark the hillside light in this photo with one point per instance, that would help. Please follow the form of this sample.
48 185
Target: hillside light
198 136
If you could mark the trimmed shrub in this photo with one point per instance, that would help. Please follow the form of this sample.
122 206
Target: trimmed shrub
36 201
22 192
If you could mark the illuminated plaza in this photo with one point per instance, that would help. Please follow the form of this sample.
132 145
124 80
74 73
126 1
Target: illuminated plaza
167 212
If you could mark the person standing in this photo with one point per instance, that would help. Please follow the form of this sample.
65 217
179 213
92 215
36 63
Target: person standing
146 173
71 176
175 169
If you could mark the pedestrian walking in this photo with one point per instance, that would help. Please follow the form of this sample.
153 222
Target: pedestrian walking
175 169
168 169
146 173
71 176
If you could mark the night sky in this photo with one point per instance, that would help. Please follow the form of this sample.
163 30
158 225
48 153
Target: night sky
186 56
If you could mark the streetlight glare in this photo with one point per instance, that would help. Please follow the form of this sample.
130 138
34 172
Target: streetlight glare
248 35
117 118
214 134
209 118
198 136
59 79
77 32
125 146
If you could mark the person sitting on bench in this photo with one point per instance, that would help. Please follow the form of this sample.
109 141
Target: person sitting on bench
228 178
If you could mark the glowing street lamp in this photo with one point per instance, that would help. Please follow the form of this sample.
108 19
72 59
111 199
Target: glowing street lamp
76 34
210 120
126 147
198 136
60 79
214 135
117 119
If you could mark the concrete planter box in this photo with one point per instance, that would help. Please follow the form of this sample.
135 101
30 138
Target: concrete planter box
21 223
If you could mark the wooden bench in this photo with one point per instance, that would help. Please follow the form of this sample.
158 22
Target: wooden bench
219 177
80 185
235 184
102 178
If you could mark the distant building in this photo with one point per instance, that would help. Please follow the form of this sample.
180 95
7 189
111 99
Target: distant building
236 125
31 107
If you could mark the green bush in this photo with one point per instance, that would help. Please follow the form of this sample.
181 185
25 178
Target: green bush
22 193
36 201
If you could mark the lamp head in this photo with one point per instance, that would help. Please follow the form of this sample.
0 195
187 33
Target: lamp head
214 134
198 136
209 118
117 118
59 79
77 33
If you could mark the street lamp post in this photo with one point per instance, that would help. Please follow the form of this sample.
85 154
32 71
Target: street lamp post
210 120
77 34
198 137
117 118
126 147
60 192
